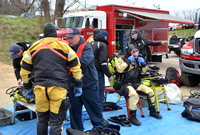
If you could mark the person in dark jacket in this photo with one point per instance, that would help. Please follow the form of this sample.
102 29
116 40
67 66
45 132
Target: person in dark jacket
174 35
91 38
49 59
100 50
16 51
141 43
89 97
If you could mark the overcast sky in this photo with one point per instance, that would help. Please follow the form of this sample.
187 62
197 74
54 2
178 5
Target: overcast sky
170 5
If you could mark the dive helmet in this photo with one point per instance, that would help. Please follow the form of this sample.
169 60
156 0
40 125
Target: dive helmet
132 50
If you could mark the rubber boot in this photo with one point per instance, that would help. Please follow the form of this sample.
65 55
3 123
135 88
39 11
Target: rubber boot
133 118
153 113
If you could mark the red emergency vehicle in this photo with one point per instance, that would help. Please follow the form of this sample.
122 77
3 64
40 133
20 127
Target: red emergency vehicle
190 57
119 20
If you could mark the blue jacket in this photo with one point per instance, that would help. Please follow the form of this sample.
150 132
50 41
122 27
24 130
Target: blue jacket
90 76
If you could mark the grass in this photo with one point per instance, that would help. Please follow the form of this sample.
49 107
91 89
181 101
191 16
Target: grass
183 33
17 29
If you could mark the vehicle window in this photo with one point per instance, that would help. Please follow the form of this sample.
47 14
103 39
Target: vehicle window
73 22
87 23
95 23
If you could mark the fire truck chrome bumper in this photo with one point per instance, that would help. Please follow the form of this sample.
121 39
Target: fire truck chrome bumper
189 66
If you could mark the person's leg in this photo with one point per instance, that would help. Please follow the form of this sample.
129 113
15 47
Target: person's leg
58 109
42 107
101 88
133 100
150 99
91 103
76 111
167 56
42 124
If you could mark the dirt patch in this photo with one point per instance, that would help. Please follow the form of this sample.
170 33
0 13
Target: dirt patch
7 80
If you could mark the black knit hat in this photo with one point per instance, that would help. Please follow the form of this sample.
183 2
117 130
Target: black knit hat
96 31
50 30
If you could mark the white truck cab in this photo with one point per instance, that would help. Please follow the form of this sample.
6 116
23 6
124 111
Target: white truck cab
85 19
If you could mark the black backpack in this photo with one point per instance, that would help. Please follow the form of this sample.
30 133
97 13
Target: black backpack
192 109
173 76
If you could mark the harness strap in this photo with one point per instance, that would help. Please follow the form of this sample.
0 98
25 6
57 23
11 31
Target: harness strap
52 49
80 49
46 92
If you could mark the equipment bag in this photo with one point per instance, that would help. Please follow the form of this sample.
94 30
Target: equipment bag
192 109
173 93
108 129
110 106
173 76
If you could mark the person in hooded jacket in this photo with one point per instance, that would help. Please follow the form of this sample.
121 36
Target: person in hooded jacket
89 97
91 38
49 59
141 43
100 50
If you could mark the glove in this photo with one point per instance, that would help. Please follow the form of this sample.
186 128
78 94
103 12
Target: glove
30 94
131 58
78 91
144 69
163 43
141 60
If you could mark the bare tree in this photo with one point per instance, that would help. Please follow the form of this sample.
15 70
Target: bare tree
189 14
176 13
186 14
0 3
46 9
23 5
6 8
59 10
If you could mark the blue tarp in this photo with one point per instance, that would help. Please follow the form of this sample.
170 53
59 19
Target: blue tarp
172 122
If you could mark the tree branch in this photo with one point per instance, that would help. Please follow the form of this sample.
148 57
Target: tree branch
70 5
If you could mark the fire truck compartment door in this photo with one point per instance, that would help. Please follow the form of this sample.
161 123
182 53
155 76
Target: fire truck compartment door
156 16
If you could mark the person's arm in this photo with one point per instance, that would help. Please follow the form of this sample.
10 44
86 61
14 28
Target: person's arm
142 64
17 67
103 60
152 43
74 65
26 69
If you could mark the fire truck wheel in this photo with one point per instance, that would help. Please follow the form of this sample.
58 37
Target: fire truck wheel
190 80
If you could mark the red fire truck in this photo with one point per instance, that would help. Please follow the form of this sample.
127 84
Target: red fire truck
119 20
190 58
